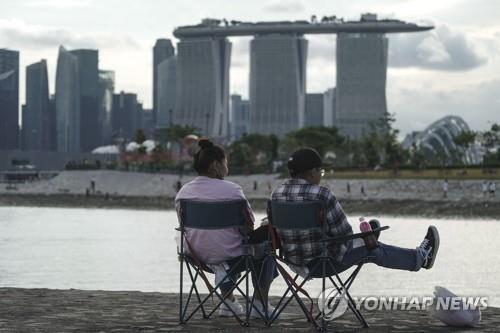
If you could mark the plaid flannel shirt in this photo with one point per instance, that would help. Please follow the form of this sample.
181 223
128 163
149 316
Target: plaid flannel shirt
301 246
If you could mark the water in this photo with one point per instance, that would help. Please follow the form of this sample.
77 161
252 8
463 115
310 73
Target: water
135 250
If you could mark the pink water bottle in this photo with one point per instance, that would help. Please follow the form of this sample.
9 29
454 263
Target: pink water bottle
371 240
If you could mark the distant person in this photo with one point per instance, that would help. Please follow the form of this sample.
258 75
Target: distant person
363 193
492 189
255 185
92 186
485 189
178 185
348 188
445 188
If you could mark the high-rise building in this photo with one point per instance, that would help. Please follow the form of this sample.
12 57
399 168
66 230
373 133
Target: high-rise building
22 134
240 117
106 91
139 120
329 108
52 123
202 98
314 110
9 99
126 117
361 79
90 128
162 50
36 113
67 102
147 123
166 92
277 83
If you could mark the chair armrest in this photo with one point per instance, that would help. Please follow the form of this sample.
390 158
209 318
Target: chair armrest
178 228
342 239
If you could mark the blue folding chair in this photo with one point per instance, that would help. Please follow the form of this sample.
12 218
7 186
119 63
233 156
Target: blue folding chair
310 216
211 216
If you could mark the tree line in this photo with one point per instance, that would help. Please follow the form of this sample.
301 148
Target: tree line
377 148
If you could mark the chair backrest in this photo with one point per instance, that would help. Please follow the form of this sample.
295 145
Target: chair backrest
296 214
213 215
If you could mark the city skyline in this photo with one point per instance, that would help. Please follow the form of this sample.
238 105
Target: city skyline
452 70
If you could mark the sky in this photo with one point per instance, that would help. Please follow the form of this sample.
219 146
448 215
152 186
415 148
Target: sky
451 70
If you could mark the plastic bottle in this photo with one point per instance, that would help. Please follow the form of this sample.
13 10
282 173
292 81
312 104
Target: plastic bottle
371 240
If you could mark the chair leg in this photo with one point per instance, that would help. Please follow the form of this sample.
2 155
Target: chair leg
181 295
189 297
301 304
221 299
247 288
350 301
193 287
295 296
323 288
236 287
258 290
277 311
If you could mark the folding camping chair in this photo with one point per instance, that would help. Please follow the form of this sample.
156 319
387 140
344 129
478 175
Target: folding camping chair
214 215
310 215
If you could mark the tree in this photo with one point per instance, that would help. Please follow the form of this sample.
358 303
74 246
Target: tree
254 152
463 140
491 140
140 137
417 157
240 157
323 139
380 144
175 133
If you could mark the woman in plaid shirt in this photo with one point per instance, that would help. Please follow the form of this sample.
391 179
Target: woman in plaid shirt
302 246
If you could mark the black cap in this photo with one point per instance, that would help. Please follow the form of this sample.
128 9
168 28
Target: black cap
304 159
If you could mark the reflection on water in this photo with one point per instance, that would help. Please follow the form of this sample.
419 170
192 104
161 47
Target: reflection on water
135 250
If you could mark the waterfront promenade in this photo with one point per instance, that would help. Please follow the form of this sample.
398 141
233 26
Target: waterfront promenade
115 189
133 184
45 310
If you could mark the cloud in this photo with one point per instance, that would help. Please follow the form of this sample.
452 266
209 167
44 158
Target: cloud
321 47
18 34
60 3
477 104
439 49
290 6
240 53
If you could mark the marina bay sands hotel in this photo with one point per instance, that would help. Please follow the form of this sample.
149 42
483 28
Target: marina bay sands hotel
278 62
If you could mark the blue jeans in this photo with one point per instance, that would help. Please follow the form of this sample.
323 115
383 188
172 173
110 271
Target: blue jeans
265 272
384 255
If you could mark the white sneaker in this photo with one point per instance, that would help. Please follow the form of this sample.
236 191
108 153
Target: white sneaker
254 314
237 308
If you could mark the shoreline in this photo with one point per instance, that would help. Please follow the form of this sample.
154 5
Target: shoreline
374 207
73 310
